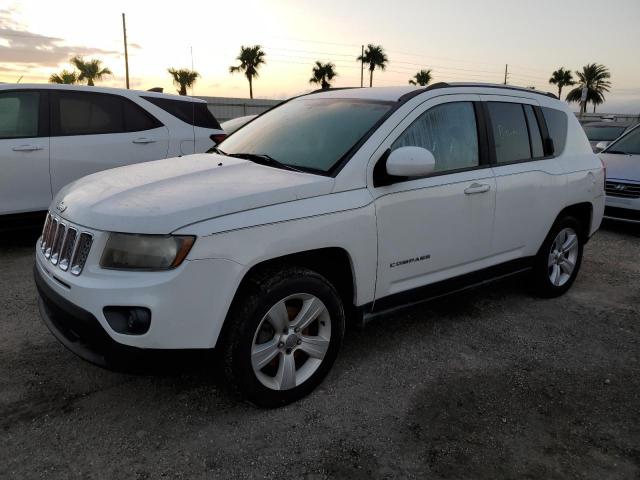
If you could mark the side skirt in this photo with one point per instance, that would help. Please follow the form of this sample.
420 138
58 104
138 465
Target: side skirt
397 301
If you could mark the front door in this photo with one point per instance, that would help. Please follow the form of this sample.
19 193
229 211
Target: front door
439 226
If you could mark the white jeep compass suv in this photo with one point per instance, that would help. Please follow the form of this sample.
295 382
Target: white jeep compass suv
337 204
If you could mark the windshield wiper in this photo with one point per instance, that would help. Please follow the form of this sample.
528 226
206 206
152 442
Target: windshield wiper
264 159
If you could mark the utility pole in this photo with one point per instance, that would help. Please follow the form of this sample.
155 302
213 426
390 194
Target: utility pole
362 67
506 67
126 52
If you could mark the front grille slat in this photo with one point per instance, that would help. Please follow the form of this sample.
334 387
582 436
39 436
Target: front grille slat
53 230
57 243
81 254
67 248
45 231
65 245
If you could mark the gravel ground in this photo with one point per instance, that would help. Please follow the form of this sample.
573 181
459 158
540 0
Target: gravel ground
492 383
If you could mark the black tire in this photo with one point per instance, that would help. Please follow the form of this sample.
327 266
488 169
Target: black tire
259 293
541 280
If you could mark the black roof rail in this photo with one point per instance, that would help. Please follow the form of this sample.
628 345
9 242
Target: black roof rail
410 95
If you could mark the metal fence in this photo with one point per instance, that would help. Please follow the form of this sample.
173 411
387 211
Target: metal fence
226 108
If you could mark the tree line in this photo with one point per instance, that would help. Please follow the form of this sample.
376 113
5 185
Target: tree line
593 76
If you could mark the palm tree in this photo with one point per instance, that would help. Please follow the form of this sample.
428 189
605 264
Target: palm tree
65 76
250 58
322 73
90 70
561 78
183 78
374 55
596 78
422 78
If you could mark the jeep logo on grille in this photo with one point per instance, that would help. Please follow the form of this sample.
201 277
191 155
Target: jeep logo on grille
61 207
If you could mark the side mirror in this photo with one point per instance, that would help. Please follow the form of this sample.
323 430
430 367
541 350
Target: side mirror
601 146
410 162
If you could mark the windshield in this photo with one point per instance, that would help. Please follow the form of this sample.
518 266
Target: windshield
306 133
599 134
629 144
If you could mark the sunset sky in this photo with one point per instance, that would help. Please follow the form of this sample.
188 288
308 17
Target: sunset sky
463 40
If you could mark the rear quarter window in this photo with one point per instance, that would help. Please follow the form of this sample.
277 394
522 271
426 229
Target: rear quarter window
557 122
193 113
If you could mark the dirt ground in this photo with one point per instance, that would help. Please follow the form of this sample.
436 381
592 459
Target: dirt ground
492 383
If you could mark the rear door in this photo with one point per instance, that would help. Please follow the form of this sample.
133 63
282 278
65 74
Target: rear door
529 179
91 132
24 151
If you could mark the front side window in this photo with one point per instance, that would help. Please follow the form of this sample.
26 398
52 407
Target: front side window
510 132
307 133
449 132
629 144
19 114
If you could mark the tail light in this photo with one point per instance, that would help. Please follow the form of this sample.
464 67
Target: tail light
218 137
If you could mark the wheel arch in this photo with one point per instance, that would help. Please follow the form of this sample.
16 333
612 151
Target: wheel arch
333 263
583 212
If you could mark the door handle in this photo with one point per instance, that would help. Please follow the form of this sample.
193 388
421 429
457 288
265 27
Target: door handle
26 148
477 188
143 140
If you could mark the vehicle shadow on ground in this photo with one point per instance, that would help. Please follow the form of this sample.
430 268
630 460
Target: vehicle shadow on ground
625 228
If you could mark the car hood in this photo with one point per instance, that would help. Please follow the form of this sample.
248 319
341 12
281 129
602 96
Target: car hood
622 167
162 196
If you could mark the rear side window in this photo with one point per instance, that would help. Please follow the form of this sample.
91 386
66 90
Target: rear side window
510 132
193 113
535 136
556 121
83 113
448 131
19 114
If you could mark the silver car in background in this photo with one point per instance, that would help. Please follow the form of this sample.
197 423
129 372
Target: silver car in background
602 134
622 160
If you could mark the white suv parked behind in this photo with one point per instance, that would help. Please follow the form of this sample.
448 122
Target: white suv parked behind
334 205
53 134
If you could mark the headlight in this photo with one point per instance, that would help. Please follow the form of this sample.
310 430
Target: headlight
145 252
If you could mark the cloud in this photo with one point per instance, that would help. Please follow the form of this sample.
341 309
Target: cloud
32 49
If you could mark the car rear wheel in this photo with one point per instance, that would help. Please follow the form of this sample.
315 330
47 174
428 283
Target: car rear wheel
558 261
282 335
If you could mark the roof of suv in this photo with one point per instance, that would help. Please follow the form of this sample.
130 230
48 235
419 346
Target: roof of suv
117 91
394 94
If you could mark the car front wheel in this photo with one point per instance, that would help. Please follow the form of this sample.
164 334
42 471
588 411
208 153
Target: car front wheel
282 335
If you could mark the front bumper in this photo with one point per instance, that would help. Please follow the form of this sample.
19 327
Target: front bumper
622 209
75 328
188 304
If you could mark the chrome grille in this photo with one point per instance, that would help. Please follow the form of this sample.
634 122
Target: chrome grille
64 245
620 189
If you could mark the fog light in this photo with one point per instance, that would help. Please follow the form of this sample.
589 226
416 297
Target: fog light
128 320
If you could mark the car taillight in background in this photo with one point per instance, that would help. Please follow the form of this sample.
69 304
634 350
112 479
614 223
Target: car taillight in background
218 137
